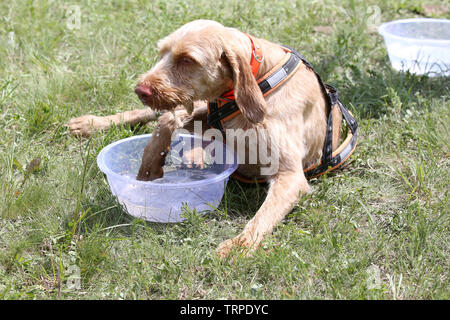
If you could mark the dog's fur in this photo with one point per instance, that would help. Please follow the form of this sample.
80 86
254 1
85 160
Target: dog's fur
200 61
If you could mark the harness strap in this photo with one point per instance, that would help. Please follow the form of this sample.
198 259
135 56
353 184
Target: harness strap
331 161
257 56
218 113
225 108
330 99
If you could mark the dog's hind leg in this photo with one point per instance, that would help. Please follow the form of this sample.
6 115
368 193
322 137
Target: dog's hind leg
85 125
281 199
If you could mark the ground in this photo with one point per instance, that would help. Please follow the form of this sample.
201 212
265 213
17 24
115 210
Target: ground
378 229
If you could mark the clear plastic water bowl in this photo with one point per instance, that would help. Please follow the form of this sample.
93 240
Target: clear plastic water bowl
420 46
198 187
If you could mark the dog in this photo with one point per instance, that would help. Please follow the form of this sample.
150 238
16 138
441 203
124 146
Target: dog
199 62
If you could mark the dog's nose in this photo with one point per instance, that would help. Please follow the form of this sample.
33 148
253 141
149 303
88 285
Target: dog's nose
143 92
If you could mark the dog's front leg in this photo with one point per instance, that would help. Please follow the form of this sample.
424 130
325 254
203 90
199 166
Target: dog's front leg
156 150
281 198
85 125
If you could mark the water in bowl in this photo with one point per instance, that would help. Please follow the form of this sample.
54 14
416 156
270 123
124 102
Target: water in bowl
162 200
149 205
146 203
180 175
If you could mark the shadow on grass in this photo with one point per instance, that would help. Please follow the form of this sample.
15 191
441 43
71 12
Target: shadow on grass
103 214
370 93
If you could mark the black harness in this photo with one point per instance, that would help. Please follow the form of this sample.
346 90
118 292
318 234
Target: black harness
328 161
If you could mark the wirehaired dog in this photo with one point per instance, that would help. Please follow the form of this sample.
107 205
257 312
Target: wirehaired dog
202 60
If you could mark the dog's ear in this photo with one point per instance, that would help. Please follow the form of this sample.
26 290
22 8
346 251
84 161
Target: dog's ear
247 93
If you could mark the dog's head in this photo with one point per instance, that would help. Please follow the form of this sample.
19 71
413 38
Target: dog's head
200 61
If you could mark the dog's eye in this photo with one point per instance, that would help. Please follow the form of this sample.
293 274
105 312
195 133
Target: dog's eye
185 61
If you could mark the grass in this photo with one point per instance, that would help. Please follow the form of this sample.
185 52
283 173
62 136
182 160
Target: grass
378 229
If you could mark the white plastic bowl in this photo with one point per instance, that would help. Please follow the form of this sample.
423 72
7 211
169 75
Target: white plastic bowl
420 46
161 200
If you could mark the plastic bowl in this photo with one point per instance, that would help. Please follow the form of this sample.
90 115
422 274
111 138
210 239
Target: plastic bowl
161 200
420 46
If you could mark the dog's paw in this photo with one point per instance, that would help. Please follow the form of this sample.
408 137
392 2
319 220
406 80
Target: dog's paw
195 158
224 249
84 126
244 243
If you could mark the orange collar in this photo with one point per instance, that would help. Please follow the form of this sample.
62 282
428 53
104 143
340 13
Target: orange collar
257 56
255 63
